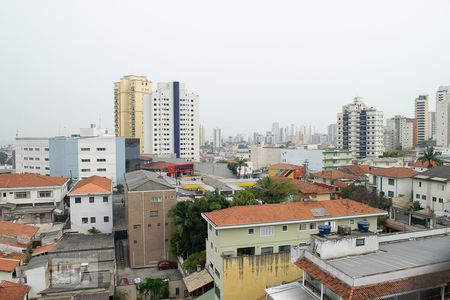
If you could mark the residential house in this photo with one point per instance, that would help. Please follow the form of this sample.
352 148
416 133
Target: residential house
36 273
16 237
148 201
287 170
432 190
363 265
316 191
421 166
31 198
336 158
91 205
392 182
9 262
336 177
13 291
248 247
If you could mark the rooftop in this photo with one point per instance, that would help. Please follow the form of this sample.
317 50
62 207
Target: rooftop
312 188
197 280
92 185
8 265
13 291
394 172
10 229
142 180
358 170
335 174
285 166
30 180
439 173
81 242
289 212
43 249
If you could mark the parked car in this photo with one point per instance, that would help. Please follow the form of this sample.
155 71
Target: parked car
167 264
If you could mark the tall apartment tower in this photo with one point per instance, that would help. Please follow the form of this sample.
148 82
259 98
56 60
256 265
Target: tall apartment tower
202 135
332 129
360 129
129 95
422 117
217 138
171 122
400 131
443 116
433 125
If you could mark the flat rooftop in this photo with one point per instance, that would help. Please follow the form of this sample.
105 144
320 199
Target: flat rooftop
83 242
396 256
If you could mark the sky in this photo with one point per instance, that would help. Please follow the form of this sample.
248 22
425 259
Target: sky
252 62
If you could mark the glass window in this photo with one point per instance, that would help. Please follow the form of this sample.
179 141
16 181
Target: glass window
312 226
251 231
266 250
351 222
302 226
153 213
424 197
45 194
417 196
434 199
85 149
267 231
284 248
136 226
391 181
21 195
419 183
92 219
284 228
77 199
390 194
84 220
91 199
360 242
441 200
106 219
105 198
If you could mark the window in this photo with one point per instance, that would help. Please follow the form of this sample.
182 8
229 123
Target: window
266 231
217 231
101 170
153 213
85 170
391 181
85 160
21 195
4 194
442 187
85 149
137 226
92 219
424 197
434 199
217 273
91 199
101 159
251 231
77 200
351 222
360 242
417 196
312 226
105 199
266 250
284 248
106 219
302 226
101 149
210 226
156 199
45 194
441 200
84 220
419 183
284 228
390 194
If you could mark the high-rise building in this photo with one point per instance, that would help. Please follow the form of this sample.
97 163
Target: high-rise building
360 129
400 131
332 129
433 125
171 122
32 155
202 135
276 132
129 95
217 138
443 116
422 117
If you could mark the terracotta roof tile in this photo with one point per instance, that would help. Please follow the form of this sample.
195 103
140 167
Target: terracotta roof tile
335 174
290 211
92 185
10 229
394 172
12 255
422 164
44 248
8 265
30 180
358 170
312 188
285 166
13 291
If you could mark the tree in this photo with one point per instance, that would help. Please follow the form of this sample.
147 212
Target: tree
240 163
232 166
119 189
157 288
244 197
271 190
431 158
415 206
361 194
3 158
93 230
194 260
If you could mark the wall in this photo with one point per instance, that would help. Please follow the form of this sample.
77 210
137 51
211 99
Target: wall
58 193
402 186
38 150
431 189
38 279
262 157
98 209
344 246
246 277
64 157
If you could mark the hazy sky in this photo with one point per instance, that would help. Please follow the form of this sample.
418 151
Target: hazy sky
251 62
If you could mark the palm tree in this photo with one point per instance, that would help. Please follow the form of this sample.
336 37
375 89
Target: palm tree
431 157
240 162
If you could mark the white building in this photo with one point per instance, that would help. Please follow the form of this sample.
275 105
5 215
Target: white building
443 116
32 155
217 138
433 125
332 133
31 198
392 182
401 133
171 122
360 129
91 205
422 116
202 137
432 189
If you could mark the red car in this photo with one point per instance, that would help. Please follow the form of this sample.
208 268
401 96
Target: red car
167 264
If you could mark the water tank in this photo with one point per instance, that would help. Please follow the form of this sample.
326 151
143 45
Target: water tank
363 226
344 230
324 230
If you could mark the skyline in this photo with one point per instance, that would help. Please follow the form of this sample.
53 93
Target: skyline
65 69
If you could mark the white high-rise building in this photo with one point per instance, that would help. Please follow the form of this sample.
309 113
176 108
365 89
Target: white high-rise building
32 155
360 129
443 116
171 122
202 135
401 133
433 125
217 138
332 130
422 117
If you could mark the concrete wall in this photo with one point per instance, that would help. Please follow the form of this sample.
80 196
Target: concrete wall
332 248
99 209
32 155
38 279
432 189
401 186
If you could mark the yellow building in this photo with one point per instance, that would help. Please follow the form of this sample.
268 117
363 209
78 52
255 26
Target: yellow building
129 95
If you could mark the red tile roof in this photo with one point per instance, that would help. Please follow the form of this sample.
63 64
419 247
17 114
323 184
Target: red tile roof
375 291
92 185
30 180
358 170
422 164
285 166
341 184
10 229
8 265
157 165
290 211
312 188
394 172
13 291
12 255
335 174
44 248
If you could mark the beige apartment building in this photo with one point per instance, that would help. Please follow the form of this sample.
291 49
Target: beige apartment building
129 95
149 199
